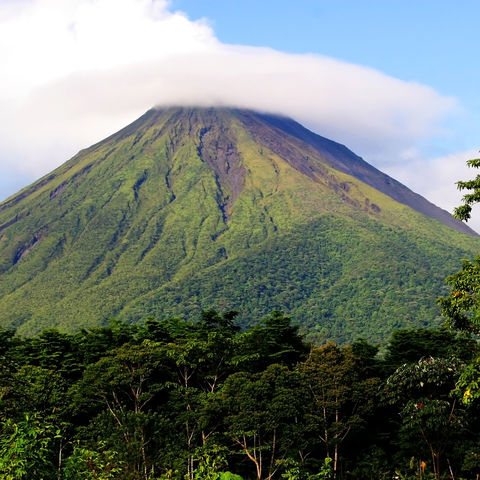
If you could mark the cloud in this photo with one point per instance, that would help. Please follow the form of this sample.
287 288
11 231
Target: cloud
46 42
435 179
75 71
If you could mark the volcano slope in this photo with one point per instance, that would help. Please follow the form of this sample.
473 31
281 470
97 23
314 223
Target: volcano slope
194 208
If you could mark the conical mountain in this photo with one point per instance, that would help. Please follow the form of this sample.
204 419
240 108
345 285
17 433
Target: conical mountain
194 208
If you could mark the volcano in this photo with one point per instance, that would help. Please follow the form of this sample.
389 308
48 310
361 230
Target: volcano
188 209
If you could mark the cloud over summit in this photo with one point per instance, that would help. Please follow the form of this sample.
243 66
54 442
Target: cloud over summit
77 70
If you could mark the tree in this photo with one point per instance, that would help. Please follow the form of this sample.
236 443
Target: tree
341 396
422 391
127 383
463 212
275 340
461 307
202 357
468 385
7 338
410 345
55 351
264 415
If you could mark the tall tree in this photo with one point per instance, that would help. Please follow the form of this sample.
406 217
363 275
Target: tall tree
264 416
127 383
202 357
341 396
461 307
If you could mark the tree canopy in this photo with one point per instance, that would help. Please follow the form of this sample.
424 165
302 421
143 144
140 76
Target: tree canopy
201 399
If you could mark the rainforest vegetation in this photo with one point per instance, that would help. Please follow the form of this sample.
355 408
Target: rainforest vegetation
200 399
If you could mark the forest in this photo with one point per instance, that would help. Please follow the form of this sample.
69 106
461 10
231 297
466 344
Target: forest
201 399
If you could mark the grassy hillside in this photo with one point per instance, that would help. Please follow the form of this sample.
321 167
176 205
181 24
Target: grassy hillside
188 209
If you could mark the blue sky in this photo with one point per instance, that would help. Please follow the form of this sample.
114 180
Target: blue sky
429 41
394 80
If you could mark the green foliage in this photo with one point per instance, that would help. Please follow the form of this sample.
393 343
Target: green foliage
463 212
295 472
411 345
461 307
429 412
86 464
427 377
331 285
468 384
471 463
342 398
260 408
209 467
184 400
229 476
25 449
275 340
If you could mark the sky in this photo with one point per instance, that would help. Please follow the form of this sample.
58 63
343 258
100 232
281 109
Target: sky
396 81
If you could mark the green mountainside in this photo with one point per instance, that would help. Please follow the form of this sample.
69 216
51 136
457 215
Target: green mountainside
191 208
